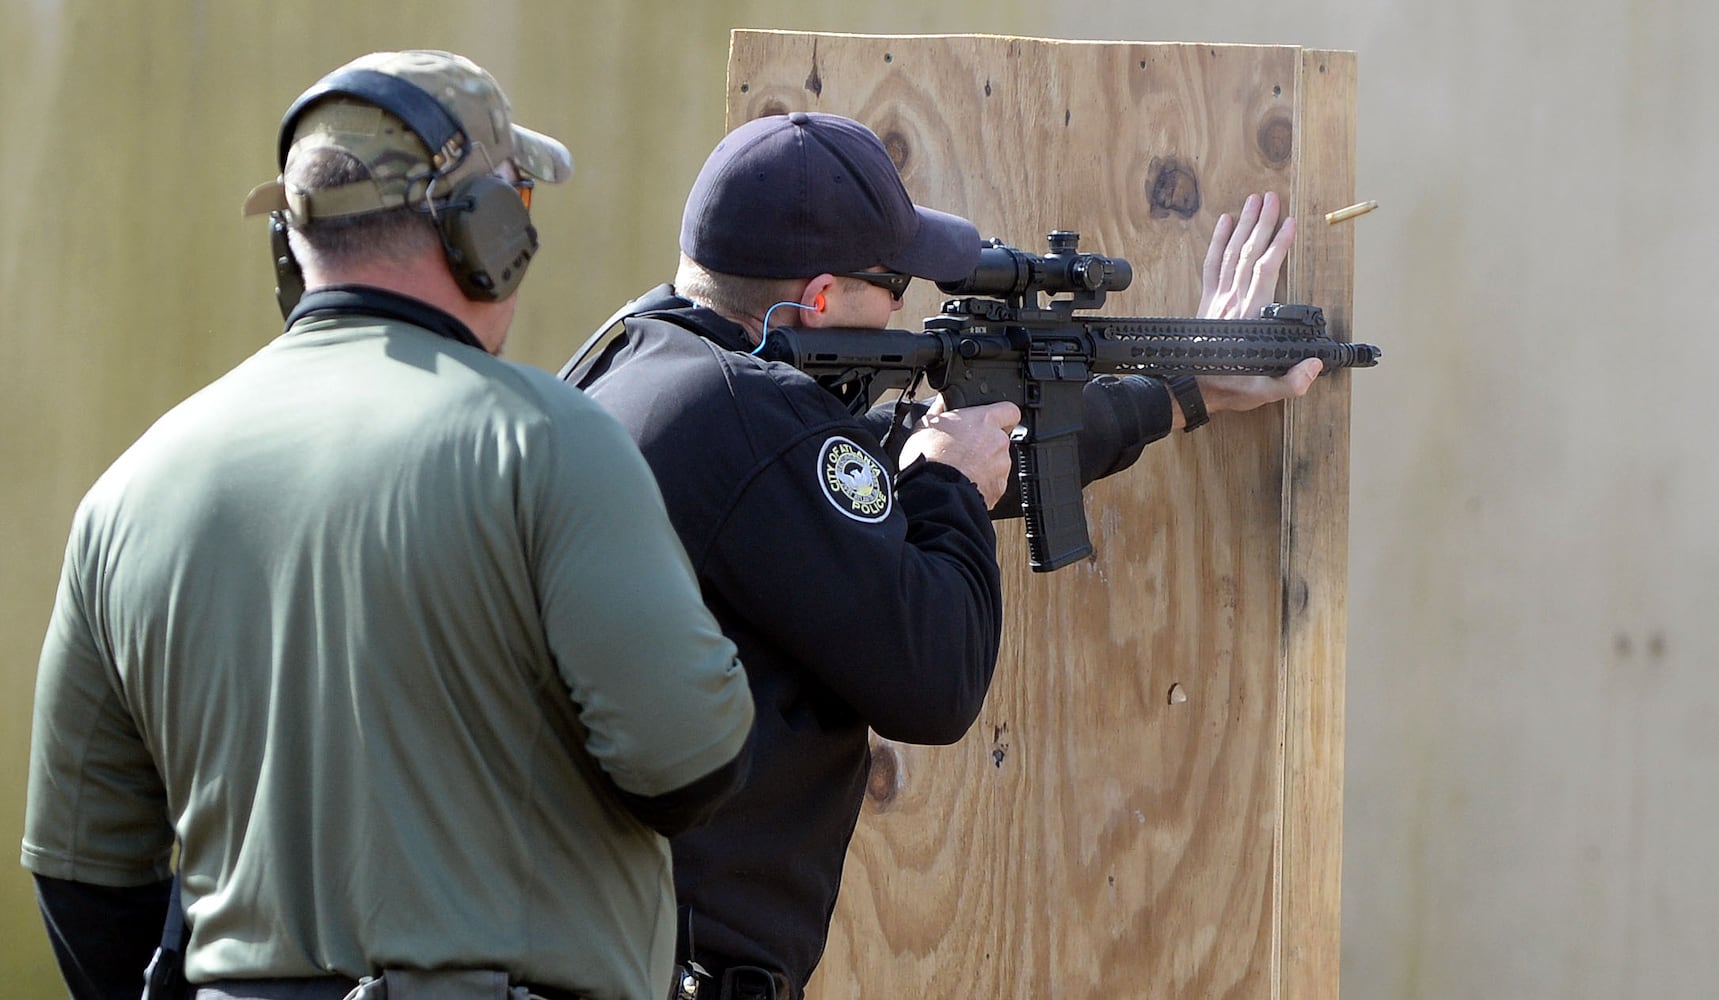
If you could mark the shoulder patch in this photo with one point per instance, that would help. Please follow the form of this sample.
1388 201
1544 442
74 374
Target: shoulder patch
854 482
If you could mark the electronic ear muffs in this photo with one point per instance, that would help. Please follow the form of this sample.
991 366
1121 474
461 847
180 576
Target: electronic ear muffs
484 226
487 236
289 280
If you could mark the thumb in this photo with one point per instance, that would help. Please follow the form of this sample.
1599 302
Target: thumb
1004 415
1306 373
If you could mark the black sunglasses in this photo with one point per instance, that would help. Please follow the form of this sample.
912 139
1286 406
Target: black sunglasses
896 283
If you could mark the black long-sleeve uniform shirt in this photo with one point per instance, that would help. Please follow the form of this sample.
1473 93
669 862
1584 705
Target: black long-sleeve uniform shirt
860 596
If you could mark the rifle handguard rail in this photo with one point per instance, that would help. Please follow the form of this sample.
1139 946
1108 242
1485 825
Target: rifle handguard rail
1039 355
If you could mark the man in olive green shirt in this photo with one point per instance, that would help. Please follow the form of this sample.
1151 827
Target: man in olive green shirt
392 636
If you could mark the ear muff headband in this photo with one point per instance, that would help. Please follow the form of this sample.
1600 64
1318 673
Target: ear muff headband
423 114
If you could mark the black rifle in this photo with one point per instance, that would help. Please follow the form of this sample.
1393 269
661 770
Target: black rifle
998 341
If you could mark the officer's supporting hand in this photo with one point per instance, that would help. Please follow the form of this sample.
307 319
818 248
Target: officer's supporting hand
1238 279
973 439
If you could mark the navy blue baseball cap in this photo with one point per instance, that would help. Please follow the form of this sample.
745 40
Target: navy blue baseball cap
792 196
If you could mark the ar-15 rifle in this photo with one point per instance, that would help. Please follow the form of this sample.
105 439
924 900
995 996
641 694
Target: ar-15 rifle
997 341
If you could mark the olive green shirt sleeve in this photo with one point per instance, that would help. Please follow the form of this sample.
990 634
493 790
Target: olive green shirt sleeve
96 810
660 692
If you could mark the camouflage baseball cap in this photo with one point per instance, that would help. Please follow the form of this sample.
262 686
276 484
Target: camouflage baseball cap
421 121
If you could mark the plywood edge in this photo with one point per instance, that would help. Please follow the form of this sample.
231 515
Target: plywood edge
747 47
775 36
1315 545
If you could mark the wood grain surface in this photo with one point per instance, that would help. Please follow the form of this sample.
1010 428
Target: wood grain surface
1150 804
1316 544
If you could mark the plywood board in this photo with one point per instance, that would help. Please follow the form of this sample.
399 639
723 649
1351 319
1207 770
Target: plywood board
1150 803
1316 549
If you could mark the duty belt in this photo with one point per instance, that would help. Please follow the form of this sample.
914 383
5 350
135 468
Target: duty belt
393 984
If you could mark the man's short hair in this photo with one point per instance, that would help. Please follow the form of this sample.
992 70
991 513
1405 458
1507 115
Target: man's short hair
735 294
397 234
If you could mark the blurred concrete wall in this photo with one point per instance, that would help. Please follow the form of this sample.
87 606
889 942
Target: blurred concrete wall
1533 717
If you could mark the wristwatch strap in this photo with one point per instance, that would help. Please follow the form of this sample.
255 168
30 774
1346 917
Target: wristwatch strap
1186 389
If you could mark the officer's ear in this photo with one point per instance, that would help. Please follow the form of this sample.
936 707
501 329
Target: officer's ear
815 301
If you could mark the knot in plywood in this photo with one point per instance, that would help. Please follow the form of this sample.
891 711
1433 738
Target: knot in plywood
1172 188
883 782
1276 139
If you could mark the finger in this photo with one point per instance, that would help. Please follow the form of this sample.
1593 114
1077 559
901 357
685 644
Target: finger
1214 263
937 406
1258 239
1270 208
1238 237
1263 285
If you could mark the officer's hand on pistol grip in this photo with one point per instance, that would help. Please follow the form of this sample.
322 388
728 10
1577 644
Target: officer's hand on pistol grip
974 440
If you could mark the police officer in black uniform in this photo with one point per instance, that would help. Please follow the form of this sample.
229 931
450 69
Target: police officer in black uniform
858 579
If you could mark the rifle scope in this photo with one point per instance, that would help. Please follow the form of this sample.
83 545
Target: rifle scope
1004 271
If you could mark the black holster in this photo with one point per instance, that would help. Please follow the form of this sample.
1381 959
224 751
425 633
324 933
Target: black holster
164 978
693 981
739 982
